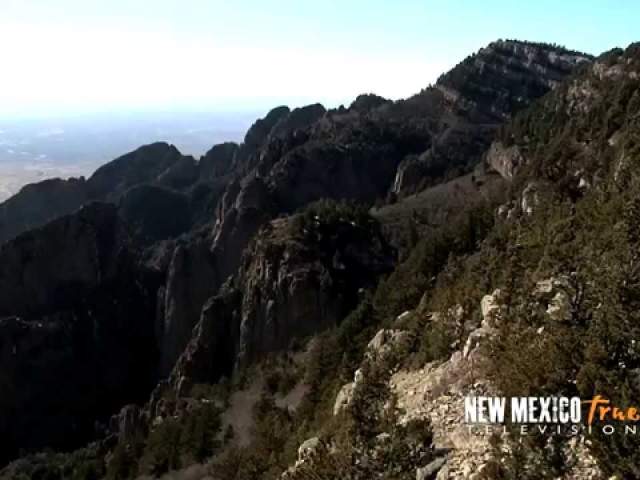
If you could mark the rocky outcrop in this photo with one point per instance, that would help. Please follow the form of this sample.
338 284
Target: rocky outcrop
343 399
381 347
290 172
294 281
295 287
504 160
218 161
260 130
244 209
212 350
191 280
478 95
298 119
366 102
519 72
140 166
578 107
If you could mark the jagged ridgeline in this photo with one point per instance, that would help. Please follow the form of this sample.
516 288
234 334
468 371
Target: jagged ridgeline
316 301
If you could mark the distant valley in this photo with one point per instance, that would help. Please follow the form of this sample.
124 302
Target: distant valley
32 150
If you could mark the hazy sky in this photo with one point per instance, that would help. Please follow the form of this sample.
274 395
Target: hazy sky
69 55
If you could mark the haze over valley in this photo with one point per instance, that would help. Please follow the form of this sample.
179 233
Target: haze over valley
32 150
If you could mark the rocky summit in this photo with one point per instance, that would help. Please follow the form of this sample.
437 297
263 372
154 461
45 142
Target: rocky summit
317 300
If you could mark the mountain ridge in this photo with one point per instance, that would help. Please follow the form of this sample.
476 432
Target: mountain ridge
280 228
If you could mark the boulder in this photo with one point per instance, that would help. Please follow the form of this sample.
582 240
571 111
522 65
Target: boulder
386 340
504 160
343 399
428 472
530 198
309 449
490 306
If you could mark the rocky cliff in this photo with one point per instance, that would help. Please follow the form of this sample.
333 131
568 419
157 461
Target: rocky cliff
361 153
299 276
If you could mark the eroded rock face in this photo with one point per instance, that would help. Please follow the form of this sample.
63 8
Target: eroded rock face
295 288
77 339
285 288
191 280
211 352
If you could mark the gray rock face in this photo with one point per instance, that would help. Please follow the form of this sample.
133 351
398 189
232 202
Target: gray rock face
343 399
191 280
295 289
309 448
504 160
181 174
285 288
512 73
212 350
244 210
204 260
321 169
409 176
260 130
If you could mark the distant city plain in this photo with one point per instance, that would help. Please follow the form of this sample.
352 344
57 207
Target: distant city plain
32 150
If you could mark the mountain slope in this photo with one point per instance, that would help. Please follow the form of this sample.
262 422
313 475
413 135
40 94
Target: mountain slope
76 330
226 288
352 154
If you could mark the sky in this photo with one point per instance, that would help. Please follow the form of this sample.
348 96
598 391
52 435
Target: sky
66 56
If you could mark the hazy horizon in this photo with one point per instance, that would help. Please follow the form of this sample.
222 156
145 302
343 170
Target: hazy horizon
78 57
32 150
84 82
